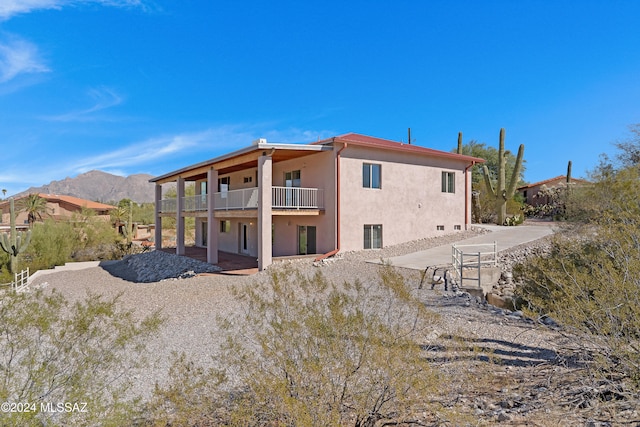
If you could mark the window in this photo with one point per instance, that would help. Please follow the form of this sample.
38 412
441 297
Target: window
292 179
440 227
225 226
247 179
457 227
370 175
373 236
223 184
448 182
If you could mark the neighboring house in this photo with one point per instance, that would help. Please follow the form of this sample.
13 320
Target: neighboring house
529 191
350 192
58 207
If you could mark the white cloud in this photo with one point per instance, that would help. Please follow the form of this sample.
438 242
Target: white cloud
9 8
210 143
18 56
103 98
144 152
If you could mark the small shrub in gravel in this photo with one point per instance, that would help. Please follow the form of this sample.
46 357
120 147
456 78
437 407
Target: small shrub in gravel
306 352
54 352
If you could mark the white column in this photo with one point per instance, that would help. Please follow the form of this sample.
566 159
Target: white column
212 229
180 217
265 172
158 233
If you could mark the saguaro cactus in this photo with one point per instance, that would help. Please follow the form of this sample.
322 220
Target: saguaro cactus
459 150
14 243
501 193
569 172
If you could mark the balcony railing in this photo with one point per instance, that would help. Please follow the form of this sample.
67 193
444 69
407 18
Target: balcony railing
297 198
247 198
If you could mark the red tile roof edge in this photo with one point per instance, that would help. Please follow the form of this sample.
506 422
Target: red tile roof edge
77 201
546 181
385 144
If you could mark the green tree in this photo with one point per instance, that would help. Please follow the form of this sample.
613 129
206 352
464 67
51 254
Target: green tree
35 206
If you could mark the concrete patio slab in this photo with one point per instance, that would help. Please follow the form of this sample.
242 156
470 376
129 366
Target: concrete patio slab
505 238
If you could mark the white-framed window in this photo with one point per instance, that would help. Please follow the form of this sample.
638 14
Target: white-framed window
448 182
457 227
371 175
223 186
440 227
373 236
292 179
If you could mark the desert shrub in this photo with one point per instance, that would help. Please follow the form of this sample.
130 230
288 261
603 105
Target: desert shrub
52 351
52 243
590 282
56 242
306 352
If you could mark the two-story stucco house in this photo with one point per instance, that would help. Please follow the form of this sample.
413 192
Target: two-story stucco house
350 192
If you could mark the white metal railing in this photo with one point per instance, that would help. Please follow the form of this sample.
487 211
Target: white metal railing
247 198
168 205
20 283
195 203
473 256
297 198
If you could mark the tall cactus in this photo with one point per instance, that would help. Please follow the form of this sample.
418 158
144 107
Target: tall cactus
14 243
503 192
459 151
569 172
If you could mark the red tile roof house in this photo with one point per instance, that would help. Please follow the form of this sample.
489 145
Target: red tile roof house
349 192
57 207
529 191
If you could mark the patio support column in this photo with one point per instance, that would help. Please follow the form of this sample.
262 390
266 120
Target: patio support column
212 230
180 217
158 231
265 172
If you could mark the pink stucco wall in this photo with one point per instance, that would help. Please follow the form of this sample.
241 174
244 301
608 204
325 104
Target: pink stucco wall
410 203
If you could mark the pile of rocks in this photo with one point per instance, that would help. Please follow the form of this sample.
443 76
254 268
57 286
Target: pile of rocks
158 265
506 285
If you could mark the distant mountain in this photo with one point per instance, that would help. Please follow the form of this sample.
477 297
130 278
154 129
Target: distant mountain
101 187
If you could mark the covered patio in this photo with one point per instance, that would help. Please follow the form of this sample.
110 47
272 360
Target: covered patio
232 264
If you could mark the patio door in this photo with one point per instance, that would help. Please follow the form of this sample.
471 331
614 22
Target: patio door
291 179
306 239
243 235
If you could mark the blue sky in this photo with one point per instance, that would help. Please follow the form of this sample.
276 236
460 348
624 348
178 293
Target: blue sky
137 86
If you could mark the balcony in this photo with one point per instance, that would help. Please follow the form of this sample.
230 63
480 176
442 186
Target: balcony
287 198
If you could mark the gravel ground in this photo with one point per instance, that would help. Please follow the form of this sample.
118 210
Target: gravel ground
501 341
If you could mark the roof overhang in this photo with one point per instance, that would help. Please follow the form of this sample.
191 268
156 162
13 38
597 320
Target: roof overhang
383 144
244 158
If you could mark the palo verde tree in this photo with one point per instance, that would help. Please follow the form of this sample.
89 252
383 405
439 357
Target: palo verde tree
503 191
